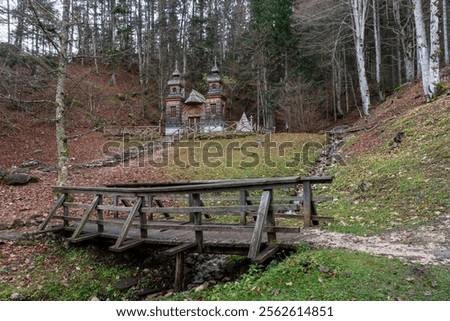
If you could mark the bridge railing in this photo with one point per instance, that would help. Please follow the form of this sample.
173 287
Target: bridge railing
255 204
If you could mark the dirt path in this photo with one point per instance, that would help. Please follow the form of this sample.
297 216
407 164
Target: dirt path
425 245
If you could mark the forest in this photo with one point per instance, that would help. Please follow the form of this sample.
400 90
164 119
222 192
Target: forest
302 61
351 93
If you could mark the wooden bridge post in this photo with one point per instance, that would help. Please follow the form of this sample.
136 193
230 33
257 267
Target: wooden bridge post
264 205
118 246
307 203
195 201
243 201
65 211
271 236
149 204
92 207
100 224
115 204
179 272
143 219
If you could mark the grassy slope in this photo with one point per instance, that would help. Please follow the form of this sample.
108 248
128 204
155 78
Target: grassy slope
407 186
60 274
251 156
333 275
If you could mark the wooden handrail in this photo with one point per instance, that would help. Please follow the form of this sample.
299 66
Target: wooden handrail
140 202
208 187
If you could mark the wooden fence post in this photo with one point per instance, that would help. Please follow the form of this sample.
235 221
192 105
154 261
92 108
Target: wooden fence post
307 200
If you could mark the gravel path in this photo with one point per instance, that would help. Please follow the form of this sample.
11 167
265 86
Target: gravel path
425 244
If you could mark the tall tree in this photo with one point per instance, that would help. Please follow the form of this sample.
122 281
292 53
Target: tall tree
404 29
59 37
20 27
445 33
428 54
435 47
63 60
272 39
377 39
359 18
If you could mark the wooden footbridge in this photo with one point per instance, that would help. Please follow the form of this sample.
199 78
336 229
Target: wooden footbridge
252 217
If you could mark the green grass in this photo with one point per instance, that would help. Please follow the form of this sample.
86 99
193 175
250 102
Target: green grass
61 274
408 186
332 275
252 156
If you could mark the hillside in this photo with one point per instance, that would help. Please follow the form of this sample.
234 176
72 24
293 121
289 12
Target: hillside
391 234
384 192
27 131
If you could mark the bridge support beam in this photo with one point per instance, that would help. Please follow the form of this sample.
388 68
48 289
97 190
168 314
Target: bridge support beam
179 272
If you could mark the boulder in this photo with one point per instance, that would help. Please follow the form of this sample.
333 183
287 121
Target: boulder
20 170
31 163
19 179
3 173
340 129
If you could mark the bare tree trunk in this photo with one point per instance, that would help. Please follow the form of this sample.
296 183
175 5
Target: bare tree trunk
445 32
95 38
377 38
435 47
337 84
258 102
422 47
18 41
399 60
405 34
8 21
61 138
428 55
359 14
347 95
